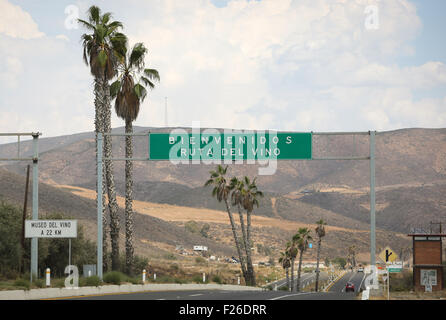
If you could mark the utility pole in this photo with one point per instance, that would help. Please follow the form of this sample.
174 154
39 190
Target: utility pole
25 204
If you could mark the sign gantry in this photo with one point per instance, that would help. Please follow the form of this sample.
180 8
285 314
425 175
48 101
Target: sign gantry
211 145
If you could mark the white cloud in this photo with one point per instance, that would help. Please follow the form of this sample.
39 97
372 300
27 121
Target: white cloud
221 65
292 65
16 23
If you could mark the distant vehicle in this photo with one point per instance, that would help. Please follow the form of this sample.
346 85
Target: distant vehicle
360 269
349 287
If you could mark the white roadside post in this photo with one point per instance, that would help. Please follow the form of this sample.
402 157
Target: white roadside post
154 276
144 276
204 277
48 277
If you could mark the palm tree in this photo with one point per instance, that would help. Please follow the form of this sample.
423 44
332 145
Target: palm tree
237 188
284 260
352 255
292 253
301 238
250 196
320 231
129 92
99 55
221 191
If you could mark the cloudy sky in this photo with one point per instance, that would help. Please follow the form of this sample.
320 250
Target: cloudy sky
303 65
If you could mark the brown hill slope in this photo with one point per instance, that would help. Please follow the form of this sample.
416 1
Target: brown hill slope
159 227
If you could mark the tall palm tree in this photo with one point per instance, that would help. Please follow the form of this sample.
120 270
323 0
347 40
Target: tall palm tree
129 91
320 232
99 55
301 238
292 253
250 195
284 260
237 188
221 191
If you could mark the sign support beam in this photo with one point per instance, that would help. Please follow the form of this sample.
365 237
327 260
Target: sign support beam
35 207
372 200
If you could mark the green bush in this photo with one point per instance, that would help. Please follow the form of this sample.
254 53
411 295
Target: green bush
197 279
114 277
22 283
284 288
92 281
134 280
217 279
39 283
59 283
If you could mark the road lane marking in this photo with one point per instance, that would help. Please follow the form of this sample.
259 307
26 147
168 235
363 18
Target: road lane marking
363 278
333 282
291 295
196 295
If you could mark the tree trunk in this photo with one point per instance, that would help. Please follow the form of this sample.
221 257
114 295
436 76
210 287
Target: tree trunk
251 271
317 263
292 275
246 245
287 271
99 127
237 242
298 270
128 199
111 190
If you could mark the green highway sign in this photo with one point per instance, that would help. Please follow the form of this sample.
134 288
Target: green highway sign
182 146
394 270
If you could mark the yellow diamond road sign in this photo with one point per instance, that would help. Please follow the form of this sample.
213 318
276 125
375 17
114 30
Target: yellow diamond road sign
388 255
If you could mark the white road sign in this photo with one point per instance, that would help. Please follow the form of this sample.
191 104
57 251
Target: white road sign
50 228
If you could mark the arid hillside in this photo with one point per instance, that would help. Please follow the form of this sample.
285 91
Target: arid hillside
160 228
410 177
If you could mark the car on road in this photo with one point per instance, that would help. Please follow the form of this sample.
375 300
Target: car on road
360 269
349 287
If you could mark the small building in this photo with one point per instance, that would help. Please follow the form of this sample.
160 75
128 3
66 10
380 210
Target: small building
200 248
427 261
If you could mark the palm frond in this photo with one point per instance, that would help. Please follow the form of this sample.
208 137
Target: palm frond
94 14
86 24
114 88
137 55
152 74
140 91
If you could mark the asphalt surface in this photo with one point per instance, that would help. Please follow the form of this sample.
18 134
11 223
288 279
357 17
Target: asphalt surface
336 292
305 280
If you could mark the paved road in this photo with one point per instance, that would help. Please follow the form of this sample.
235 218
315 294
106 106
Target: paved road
305 280
355 277
336 293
